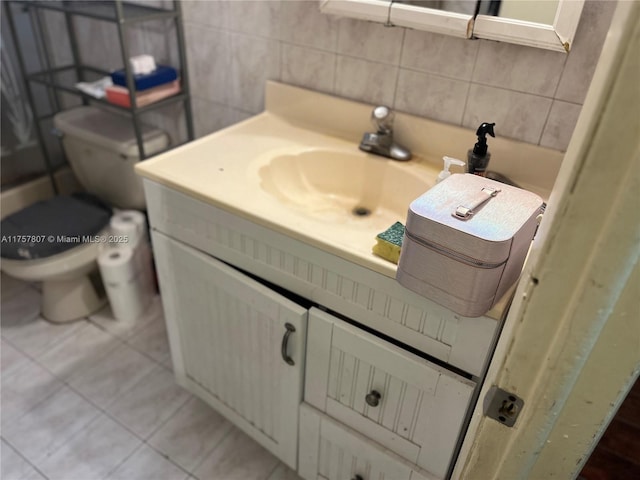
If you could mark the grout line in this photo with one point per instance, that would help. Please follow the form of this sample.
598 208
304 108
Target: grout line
274 469
19 453
220 442
471 82
126 457
398 66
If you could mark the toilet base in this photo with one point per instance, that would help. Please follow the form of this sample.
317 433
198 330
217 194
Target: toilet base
72 299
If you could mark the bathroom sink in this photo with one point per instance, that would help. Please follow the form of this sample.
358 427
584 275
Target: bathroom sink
296 169
343 185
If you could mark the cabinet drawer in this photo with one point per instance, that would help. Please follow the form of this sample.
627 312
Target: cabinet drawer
331 451
404 402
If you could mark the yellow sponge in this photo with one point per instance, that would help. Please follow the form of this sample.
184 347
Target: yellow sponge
389 243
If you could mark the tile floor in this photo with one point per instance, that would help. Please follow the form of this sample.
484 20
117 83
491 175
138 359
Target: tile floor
96 399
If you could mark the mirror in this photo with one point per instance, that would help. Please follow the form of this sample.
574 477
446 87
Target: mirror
550 24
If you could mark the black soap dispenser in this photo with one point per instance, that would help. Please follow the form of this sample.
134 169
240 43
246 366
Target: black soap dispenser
478 158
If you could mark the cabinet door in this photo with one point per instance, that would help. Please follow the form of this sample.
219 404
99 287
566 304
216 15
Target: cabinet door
404 402
331 451
235 343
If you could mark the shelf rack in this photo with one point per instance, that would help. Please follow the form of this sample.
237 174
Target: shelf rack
63 79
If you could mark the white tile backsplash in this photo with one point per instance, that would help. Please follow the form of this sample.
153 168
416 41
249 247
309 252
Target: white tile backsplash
253 61
431 96
514 67
209 61
516 115
309 68
209 116
366 81
302 23
234 47
557 131
440 54
370 41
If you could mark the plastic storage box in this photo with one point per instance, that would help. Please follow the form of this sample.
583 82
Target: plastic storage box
466 240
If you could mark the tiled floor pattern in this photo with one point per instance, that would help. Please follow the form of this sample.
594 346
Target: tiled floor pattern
96 399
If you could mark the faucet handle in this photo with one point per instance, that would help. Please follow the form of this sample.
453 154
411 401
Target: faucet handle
382 118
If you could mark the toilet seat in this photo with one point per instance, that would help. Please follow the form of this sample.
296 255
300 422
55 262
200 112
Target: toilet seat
52 226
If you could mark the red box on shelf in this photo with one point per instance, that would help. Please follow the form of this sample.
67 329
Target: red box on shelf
120 95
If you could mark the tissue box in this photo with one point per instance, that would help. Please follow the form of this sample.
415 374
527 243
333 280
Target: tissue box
162 74
466 240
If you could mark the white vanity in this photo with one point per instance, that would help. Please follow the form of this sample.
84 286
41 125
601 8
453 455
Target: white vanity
281 318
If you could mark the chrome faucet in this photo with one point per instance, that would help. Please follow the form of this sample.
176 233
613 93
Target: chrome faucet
381 142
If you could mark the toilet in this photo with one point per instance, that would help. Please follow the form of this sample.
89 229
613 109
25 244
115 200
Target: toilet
57 241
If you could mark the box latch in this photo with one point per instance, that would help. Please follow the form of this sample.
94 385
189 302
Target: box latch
465 212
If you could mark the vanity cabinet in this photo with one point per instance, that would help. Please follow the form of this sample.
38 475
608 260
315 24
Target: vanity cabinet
381 378
235 343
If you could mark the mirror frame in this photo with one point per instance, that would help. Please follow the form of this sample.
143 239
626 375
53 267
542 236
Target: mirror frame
558 37
431 19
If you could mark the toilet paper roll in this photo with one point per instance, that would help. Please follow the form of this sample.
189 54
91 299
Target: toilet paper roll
128 300
117 265
127 284
128 227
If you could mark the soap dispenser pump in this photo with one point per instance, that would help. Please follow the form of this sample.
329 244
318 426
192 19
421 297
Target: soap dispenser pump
478 158
448 161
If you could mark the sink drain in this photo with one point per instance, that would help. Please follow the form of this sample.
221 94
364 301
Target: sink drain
361 211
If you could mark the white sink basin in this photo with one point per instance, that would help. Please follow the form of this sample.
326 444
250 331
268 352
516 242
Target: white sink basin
296 169
343 185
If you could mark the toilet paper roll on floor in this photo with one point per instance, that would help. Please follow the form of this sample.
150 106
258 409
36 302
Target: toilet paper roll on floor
130 225
117 265
127 285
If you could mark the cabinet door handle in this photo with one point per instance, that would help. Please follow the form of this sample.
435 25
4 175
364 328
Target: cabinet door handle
285 343
373 398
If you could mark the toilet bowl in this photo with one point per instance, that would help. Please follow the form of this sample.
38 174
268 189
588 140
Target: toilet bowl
71 288
102 150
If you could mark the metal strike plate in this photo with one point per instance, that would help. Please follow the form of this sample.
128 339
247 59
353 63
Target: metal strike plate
502 406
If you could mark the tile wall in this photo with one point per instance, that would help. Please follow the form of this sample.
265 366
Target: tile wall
533 95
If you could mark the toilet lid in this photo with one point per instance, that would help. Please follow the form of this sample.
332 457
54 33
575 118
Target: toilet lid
52 226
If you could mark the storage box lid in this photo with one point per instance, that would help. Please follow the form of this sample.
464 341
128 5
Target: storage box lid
445 216
109 130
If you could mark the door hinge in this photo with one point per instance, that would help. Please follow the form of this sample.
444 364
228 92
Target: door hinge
502 406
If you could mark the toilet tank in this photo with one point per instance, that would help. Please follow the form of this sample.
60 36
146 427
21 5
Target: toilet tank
102 150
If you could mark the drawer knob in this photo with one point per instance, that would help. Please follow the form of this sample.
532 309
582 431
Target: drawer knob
357 477
373 398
